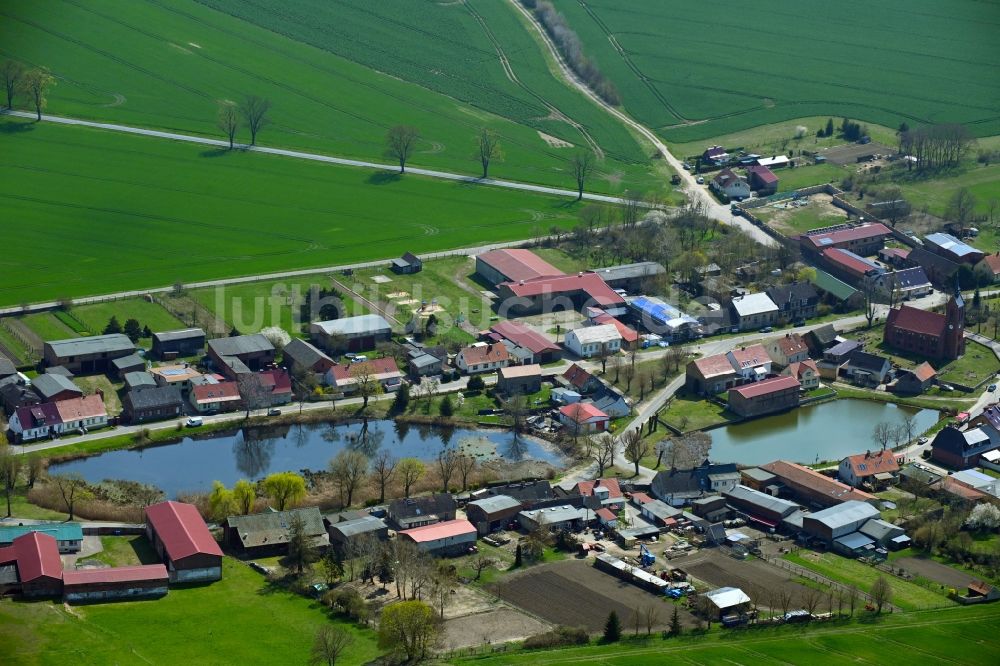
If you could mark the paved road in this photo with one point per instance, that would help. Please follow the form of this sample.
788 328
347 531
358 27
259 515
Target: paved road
696 193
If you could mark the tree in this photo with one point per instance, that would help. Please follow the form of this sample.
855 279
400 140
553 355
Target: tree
489 148
829 127
881 593
36 464
228 120
72 488
869 291
852 598
687 451
651 617
285 489
409 628
518 556
466 466
447 407
113 326
636 448
811 598
147 332
329 644
348 469
475 383
133 329
254 110
675 623
383 469
410 471
881 434
603 354
480 564
244 496
366 381
961 206
220 501
13 77
582 165
10 468
447 460
983 517
400 142
301 551
612 628
602 450
277 336
402 399
37 83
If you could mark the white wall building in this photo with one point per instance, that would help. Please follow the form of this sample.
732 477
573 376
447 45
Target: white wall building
591 340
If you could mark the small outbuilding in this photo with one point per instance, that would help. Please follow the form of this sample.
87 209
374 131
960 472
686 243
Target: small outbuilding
407 264
346 534
115 583
520 379
727 601
490 514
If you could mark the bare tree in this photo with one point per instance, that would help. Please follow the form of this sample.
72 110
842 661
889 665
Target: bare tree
466 466
687 451
869 291
489 148
400 142
366 381
961 206
10 468
228 120
447 461
383 469
36 83
330 643
348 470
582 165
12 73
852 598
631 209
72 488
255 395
636 448
480 564
602 450
518 409
881 434
410 471
909 427
784 598
255 110
651 616
881 593
811 599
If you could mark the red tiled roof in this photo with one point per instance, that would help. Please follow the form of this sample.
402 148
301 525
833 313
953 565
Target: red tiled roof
221 392
276 380
874 463
791 344
134 574
641 498
518 264
577 376
484 354
748 357
725 177
763 173
606 514
87 407
36 555
810 478
586 488
924 371
628 334
896 252
714 366
581 412
449 528
523 336
379 367
767 386
846 235
957 488
798 369
591 284
516 371
848 261
993 261
182 530
917 321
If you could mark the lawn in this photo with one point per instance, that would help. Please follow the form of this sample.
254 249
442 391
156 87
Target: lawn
978 364
934 192
95 317
947 635
178 212
124 551
46 326
766 63
800 219
905 595
338 75
688 412
240 617
807 176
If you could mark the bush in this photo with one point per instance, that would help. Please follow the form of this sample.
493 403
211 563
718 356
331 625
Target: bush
476 383
558 637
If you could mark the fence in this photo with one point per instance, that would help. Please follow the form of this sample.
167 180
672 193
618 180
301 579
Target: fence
809 574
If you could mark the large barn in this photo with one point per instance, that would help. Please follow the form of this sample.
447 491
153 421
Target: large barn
179 536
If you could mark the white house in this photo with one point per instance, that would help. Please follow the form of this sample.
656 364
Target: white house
37 421
733 186
751 363
755 311
482 357
591 340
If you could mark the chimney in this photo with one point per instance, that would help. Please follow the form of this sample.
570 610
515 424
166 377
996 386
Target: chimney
100 392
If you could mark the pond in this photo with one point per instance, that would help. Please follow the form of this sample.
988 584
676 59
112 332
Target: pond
826 431
192 464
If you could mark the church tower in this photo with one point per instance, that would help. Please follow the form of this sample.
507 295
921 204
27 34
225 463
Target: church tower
954 336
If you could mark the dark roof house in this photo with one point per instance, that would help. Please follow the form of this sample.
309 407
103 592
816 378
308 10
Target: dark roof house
412 512
268 531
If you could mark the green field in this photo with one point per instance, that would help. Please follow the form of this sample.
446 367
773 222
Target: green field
765 62
953 635
133 212
339 76
236 620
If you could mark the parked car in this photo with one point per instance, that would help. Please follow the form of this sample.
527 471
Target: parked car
992 387
274 411
766 329
194 421
700 180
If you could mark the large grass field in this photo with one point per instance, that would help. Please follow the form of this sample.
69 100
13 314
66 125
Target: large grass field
953 635
99 212
759 63
240 619
339 76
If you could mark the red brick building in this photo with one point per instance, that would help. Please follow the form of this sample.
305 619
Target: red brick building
765 397
929 334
